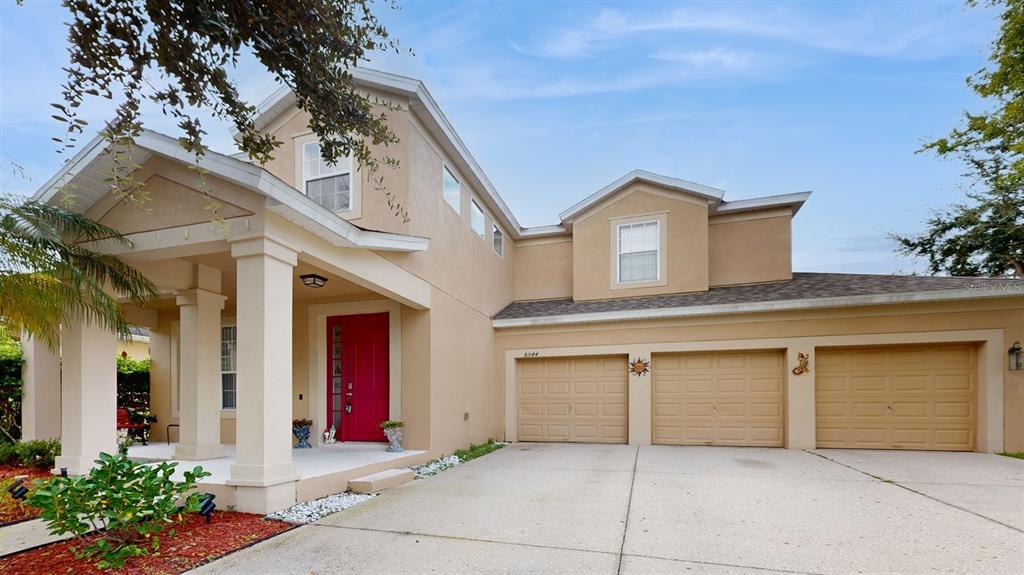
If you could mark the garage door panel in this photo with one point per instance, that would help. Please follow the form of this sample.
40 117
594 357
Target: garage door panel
582 399
897 397
726 398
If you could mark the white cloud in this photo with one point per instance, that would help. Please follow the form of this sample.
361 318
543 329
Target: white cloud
716 57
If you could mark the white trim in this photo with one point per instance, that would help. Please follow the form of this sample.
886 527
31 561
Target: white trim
753 307
543 231
793 200
499 236
714 195
317 356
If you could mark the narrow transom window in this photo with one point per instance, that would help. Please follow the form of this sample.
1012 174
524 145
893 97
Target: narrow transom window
497 240
330 186
452 191
638 252
477 219
228 367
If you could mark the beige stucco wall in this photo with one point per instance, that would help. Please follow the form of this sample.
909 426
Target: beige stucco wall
749 250
543 269
1005 316
686 261
135 348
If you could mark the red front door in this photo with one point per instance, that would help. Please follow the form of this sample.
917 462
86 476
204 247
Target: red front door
357 375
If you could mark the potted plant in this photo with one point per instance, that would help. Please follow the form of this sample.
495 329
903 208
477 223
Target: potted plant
300 429
393 431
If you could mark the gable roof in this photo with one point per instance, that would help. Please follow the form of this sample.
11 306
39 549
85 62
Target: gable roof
427 109
713 195
88 169
804 291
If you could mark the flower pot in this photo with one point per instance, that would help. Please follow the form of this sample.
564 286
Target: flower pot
394 436
301 432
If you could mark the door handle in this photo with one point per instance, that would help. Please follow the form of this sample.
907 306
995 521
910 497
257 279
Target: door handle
348 394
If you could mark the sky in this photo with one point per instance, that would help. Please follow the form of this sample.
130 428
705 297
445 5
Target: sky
557 99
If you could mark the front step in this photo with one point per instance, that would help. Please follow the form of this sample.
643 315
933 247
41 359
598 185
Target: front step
381 480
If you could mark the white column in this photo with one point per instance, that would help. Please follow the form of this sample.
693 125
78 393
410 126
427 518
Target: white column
199 356
88 396
263 469
640 399
801 429
40 399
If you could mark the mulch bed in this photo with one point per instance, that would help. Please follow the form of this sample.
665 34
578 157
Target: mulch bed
193 544
12 510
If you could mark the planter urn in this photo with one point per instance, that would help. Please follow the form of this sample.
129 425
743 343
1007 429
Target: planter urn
301 432
394 436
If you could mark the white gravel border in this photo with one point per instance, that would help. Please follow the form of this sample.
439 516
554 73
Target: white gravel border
435 466
310 511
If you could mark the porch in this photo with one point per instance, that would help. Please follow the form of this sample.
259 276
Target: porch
322 470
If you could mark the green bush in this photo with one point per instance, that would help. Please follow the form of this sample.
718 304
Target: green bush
8 454
10 387
39 453
475 450
127 504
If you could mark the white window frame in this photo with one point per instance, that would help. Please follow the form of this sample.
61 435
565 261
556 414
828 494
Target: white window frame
474 211
454 202
619 252
223 372
497 241
341 168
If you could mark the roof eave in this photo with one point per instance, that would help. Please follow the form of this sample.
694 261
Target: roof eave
752 307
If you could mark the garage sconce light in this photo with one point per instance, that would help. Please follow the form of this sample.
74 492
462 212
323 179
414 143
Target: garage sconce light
1016 357
313 280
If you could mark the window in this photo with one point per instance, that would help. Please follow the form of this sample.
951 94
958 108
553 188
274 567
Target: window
451 190
329 186
228 367
476 219
497 240
638 252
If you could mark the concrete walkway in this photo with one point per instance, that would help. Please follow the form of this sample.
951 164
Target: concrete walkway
603 509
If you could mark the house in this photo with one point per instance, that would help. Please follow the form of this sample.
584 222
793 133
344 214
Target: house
655 311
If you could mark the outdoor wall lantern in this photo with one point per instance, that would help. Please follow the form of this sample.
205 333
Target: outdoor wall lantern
313 280
1016 357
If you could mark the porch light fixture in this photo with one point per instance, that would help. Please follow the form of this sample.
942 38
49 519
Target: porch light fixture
1016 357
313 280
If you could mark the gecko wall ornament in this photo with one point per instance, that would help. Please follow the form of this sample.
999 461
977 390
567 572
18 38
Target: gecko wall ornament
801 364
639 366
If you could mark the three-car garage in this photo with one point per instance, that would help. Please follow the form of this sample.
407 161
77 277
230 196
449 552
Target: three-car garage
919 396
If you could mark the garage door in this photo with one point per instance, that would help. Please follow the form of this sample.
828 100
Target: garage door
581 399
720 398
919 397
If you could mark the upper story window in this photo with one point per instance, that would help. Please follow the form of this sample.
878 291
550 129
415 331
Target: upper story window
452 191
497 241
476 219
228 367
330 186
638 256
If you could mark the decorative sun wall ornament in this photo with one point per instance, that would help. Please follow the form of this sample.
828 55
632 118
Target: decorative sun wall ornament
639 366
801 364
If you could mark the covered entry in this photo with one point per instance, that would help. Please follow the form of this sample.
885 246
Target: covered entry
897 397
718 398
573 399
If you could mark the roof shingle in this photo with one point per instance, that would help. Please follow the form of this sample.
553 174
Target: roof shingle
803 286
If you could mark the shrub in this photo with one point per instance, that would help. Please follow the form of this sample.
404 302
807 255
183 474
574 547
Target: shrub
128 504
8 454
475 450
38 453
10 386
391 424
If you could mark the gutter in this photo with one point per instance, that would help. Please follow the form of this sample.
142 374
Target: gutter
759 307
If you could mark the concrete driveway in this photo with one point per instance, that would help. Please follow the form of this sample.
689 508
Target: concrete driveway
546 508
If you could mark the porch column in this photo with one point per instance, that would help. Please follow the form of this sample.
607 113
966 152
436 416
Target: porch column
88 396
263 469
40 399
199 395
